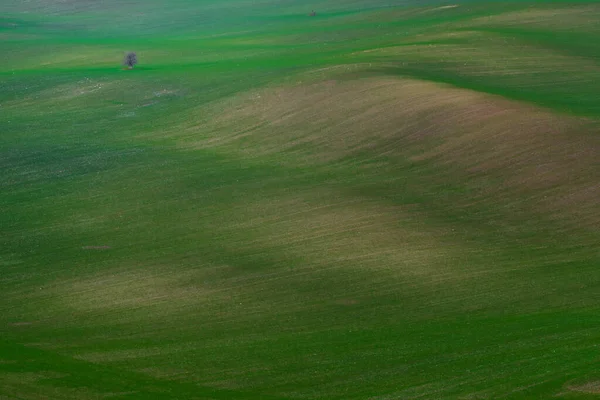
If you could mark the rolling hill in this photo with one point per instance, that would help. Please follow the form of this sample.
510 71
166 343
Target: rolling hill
389 200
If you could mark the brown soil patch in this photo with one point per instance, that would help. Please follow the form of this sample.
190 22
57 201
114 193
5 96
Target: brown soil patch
130 289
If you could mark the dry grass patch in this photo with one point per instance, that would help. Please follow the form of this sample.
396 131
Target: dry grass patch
135 353
157 290
588 387
38 385
324 229
319 122
157 298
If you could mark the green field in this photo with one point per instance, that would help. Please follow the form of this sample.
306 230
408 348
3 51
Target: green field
389 200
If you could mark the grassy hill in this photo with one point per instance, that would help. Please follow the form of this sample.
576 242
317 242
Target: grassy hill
389 200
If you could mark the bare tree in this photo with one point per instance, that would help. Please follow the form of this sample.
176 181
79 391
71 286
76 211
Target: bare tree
130 60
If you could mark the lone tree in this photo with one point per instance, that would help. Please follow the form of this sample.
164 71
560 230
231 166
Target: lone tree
130 60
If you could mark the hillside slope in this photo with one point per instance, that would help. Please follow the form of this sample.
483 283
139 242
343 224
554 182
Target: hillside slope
391 201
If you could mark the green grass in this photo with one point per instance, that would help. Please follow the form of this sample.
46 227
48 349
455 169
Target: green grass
381 202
